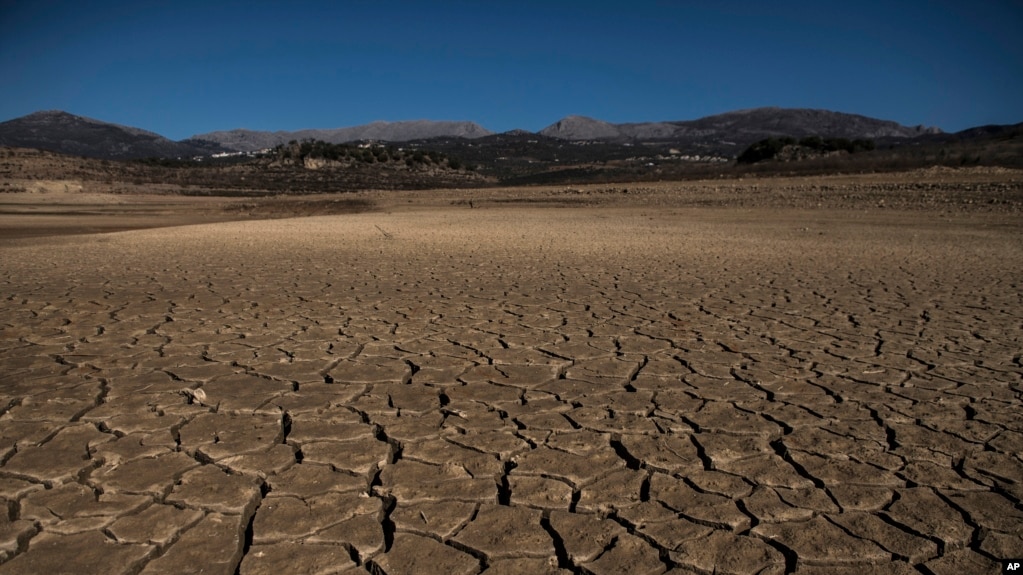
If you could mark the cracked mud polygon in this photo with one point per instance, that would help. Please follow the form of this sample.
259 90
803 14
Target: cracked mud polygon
517 389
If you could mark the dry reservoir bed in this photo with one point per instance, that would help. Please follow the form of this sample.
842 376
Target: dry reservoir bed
516 390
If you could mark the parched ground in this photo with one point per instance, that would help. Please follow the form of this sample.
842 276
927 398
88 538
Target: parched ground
645 385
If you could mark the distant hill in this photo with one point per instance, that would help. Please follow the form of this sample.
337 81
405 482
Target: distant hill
249 140
69 134
574 138
990 131
736 129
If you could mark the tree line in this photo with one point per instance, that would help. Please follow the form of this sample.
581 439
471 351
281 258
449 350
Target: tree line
371 154
769 148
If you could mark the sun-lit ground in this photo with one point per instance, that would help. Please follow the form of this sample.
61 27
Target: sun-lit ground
741 377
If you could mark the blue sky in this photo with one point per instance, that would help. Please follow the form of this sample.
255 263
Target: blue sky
183 68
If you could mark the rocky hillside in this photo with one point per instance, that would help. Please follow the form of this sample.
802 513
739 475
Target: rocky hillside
739 128
249 140
721 136
76 135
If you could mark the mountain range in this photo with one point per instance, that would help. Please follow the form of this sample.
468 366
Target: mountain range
250 140
755 124
725 134
69 134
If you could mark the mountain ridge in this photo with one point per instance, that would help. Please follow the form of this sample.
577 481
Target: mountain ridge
723 134
753 122
67 133
250 140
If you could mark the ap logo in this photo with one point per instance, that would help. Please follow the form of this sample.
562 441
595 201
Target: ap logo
1014 566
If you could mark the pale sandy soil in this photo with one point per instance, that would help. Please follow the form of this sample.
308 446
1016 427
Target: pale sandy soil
62 207
609 387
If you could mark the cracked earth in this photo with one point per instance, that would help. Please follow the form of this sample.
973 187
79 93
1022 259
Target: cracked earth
516 390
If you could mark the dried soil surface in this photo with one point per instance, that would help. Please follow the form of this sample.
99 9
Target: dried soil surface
637 385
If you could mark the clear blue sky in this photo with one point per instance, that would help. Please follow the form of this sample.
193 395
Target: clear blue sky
181 68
